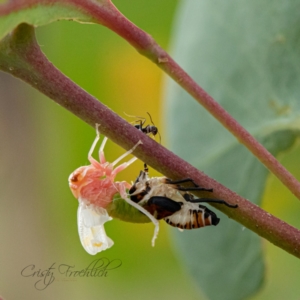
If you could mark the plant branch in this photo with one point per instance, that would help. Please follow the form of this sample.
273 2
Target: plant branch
105 13
147 46
21 56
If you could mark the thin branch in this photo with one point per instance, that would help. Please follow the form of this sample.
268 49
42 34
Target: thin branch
105 13
147 46
21 56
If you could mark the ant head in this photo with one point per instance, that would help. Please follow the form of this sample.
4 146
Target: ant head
153 129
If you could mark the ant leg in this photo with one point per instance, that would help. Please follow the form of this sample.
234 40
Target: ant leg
155 127
142 122
139 125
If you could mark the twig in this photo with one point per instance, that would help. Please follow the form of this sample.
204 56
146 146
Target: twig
105 13
21 56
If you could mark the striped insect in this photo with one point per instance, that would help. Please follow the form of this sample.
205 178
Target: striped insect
96 189
168 200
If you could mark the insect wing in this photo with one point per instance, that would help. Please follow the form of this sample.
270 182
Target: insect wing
162 207
91 230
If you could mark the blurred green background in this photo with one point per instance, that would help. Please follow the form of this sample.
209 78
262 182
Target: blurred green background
41 144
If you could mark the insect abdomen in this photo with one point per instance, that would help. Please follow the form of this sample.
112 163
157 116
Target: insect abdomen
192 217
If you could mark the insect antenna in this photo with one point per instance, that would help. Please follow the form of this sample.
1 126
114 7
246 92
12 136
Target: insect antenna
141 121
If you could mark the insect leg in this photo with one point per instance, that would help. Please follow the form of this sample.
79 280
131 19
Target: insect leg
169 181
90 158
95 141
101 151
181 188
125 164
127 153
188 198
142 122
155 127
197 188
139 126
124 195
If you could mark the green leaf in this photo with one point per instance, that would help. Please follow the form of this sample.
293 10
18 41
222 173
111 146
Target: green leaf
246 55
39 14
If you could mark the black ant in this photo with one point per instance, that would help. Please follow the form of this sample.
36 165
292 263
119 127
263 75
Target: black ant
149 129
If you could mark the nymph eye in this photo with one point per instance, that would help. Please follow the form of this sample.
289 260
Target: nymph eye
75 178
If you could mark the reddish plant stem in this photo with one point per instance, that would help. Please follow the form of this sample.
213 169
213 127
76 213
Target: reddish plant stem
105 13
21 56
147 46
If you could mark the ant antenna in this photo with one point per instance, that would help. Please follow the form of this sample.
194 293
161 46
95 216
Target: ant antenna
137 117
154 126
150 118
